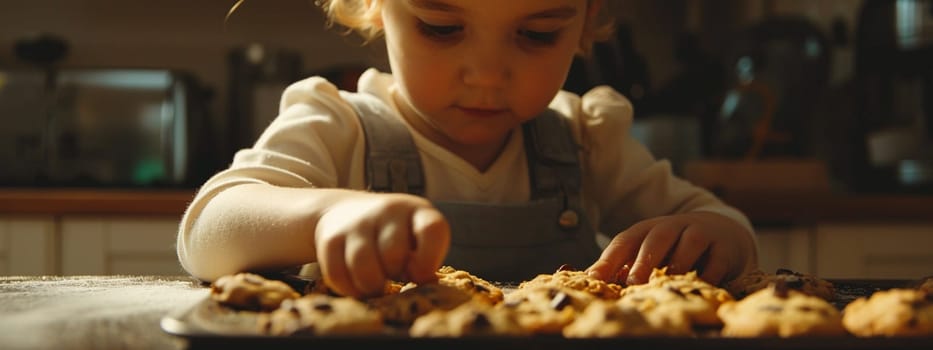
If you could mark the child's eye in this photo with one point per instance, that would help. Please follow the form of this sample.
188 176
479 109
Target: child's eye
539 38
439 31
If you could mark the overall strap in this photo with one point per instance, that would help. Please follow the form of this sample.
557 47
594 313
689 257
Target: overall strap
392 161
552 156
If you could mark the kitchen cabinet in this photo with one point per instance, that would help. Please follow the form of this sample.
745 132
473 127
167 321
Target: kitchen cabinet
89 245
105 245
27 245
787 247
900 250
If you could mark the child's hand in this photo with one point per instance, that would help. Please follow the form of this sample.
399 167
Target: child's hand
714 245
366 239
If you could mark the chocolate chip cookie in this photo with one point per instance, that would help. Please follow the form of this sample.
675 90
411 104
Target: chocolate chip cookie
478 287
401 309
322 315
756 280
474 318
546 309
894 312
607 318
252 292
778 310
578 280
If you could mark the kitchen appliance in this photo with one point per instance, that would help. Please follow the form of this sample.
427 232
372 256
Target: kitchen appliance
103 128
258 75
894 77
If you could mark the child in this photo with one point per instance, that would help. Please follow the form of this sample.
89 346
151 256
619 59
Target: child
469 155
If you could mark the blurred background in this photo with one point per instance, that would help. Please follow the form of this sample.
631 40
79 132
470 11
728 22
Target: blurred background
814 117
844 82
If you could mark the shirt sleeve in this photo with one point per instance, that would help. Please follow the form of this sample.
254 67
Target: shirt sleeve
315 141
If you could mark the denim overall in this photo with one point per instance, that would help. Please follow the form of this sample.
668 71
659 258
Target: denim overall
498 242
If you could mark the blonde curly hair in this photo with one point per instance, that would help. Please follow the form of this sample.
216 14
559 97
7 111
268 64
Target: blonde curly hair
357 16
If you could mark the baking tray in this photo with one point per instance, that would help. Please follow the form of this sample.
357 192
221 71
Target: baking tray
206 325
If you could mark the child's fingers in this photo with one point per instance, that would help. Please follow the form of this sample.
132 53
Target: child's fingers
691 245
333 264
362 254
431 234
716 267
395 241
620 252
657 244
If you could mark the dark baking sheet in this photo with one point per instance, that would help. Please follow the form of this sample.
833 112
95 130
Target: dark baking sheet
206 326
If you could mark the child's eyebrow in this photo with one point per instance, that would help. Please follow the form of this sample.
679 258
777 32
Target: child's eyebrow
436 5
563 12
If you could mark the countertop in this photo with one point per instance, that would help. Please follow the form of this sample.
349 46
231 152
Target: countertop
92 312
759 206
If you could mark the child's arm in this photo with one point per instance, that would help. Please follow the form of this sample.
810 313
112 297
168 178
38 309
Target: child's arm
716 245
359 239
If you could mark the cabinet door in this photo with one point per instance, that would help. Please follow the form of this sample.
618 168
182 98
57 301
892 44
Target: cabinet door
27 245
787 247
875 250
119 245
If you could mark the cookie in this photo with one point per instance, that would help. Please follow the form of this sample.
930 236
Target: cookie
757 280
320 287
577 280
322 315
697 308
687 293
478 287
926 285
546 309
247 291
606 319
402 309
474 318
894 312
780 311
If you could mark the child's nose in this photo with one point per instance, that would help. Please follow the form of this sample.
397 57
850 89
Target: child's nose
486 67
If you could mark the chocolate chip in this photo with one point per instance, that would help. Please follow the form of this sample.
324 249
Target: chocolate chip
480 321
781 290
481 288
677 292
323 306
794 282
560 301
785 272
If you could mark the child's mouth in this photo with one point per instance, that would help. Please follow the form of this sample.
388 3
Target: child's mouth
481 112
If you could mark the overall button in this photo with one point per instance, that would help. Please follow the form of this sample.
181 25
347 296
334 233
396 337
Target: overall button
569 219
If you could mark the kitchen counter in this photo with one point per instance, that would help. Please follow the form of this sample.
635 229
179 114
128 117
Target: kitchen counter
760 207
92 312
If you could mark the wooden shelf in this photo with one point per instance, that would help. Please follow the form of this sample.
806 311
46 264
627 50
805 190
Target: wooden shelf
88 201
760 207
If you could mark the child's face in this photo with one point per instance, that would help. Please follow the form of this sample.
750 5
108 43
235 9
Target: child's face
472 70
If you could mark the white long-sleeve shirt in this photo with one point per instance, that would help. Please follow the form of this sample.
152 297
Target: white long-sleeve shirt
317 141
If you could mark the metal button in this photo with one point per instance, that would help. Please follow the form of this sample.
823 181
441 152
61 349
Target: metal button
569 219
